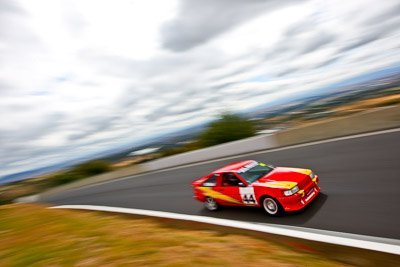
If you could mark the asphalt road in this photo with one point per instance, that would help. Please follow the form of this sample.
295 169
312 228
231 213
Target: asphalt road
359 180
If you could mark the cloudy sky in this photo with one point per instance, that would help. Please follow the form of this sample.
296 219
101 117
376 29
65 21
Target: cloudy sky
77 77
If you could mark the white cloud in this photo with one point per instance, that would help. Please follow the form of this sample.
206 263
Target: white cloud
80 76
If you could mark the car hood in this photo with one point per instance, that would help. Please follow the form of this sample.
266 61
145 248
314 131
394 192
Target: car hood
284 177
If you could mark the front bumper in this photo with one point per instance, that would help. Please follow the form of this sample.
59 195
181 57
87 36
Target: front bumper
301 198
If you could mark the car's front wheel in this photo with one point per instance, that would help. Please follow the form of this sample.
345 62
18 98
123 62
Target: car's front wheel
211 204
272 206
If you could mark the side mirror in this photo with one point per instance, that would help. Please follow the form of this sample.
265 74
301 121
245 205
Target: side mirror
241 184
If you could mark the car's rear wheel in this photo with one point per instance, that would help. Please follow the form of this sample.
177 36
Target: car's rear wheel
211 204
272 206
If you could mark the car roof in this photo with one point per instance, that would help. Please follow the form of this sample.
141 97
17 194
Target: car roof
233 166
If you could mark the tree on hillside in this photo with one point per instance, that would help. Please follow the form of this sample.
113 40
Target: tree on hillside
93 168
82 171
227 128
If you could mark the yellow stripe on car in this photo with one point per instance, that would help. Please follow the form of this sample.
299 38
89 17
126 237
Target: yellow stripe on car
286 185
212 193
305 171
315 180
302 193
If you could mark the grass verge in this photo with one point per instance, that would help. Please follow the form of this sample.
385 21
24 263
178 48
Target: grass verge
32 235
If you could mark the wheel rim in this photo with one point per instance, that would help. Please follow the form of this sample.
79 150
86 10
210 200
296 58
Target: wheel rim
211 204
270 206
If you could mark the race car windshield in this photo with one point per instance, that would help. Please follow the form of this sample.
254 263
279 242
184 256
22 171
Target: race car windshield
253 174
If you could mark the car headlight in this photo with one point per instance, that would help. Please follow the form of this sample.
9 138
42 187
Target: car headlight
312 175
292 191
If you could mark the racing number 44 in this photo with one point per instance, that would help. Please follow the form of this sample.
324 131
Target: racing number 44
247 194
249 199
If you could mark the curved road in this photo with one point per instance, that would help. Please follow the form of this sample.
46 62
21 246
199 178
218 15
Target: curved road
359 179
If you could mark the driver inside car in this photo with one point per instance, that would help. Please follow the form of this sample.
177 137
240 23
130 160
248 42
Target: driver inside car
229 179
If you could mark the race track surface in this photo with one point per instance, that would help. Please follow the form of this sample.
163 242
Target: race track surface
359 180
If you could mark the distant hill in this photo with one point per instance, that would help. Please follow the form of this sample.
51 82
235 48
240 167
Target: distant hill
323 92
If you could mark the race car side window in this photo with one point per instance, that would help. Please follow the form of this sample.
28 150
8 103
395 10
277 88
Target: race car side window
212 181
229 179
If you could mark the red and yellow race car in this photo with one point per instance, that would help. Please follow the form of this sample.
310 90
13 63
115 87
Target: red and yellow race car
252 183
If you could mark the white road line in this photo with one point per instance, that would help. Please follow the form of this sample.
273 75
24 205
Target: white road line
248 154
332 239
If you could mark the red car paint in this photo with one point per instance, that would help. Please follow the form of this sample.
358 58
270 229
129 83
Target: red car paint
246 192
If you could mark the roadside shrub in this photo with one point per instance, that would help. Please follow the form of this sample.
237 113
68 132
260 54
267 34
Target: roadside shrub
81 171
65 178
93 168
227 128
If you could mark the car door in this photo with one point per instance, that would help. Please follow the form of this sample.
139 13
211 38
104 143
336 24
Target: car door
229 189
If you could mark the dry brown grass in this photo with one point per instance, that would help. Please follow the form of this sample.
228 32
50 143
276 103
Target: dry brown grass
34 236
368 103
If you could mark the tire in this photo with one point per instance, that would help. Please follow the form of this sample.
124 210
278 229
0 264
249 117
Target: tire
272 206
211 204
